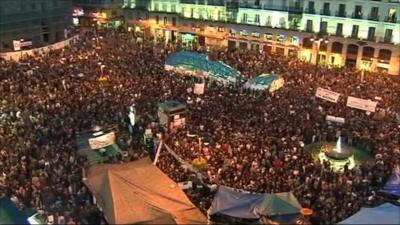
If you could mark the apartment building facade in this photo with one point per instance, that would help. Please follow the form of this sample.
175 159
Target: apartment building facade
356 33
33 23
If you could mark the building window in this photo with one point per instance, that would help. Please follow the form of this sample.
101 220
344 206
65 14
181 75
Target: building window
255 34
374 15
326 10
244 18
174 21
232 32
280 39
339 29
311 7
191 12
388 36
164 7
358 12
165 20
173 8
257 19
342 11
371 34
219 15
354 32
392 17
268 36
268 21
156 7
244 33
43 6
309 26
323 27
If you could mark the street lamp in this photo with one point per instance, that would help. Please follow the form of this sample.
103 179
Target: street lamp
317 40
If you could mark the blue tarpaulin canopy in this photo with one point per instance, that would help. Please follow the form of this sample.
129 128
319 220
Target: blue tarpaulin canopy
383 214
236 204
261 82
194 61
392 186
279 206
10 214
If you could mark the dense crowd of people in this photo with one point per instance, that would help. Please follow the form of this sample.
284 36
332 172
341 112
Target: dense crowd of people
256 139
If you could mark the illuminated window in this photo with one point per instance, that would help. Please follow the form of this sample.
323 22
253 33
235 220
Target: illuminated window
268 36
392 15
232 32
244 33
255 34
281 39
294 40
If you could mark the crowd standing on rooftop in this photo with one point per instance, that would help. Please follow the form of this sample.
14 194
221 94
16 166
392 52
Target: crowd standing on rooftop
256 141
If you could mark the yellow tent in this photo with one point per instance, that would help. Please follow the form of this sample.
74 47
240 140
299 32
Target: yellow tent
140 193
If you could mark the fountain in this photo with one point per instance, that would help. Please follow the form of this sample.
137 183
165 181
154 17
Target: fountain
337 154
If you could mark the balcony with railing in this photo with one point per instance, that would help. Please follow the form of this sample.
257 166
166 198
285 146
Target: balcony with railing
388 39
373 17
309 29
391 19
356 15
249 6
274 7
309 11
341 14
371 38
325 12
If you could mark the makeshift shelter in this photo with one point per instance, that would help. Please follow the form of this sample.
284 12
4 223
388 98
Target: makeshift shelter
140 193
95 156
383 214
10 214
198 64
392 186
282 207
265 81
233 203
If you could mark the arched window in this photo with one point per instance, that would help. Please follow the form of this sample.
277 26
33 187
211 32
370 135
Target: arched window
385 54
337 47
368 52
352 49
307 43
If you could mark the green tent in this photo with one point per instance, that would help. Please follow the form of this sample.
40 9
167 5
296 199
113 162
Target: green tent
10 214
280 206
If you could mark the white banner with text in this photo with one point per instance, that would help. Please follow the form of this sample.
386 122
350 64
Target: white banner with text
363 104
327 95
